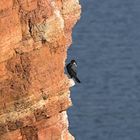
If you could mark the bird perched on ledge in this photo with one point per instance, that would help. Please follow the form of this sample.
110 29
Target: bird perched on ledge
71 69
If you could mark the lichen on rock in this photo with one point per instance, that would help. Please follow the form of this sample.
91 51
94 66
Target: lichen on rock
34 91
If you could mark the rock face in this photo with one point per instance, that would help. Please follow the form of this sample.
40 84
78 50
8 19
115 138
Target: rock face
34 91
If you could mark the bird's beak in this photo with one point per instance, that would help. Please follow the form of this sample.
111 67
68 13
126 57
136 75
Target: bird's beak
75 64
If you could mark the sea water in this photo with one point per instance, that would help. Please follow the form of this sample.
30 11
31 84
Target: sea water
106 46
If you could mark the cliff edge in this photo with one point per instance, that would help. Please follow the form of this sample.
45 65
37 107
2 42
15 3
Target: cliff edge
34 91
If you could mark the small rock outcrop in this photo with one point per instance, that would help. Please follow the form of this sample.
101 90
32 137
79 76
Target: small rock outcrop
34 91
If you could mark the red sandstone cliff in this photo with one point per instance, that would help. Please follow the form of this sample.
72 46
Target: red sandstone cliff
34 91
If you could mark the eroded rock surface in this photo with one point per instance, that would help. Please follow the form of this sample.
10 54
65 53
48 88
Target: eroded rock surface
34 91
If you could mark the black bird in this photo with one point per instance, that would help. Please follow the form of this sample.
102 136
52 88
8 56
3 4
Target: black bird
71 69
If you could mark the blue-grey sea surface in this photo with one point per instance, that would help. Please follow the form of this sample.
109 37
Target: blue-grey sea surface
106 45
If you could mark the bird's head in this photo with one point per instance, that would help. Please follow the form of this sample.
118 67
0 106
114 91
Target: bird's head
74 62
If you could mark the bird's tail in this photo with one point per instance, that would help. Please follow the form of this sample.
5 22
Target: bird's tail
77 80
